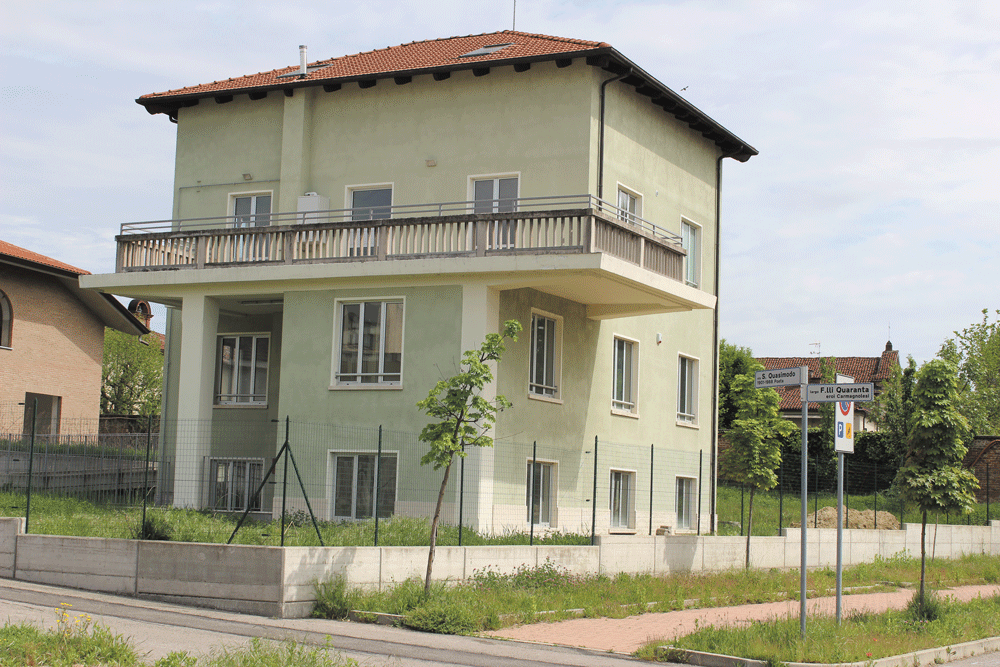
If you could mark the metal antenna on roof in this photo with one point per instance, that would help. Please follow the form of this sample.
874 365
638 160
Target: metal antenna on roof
816 352
513 21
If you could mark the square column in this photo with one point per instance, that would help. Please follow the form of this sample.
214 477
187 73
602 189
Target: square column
195 388
480 316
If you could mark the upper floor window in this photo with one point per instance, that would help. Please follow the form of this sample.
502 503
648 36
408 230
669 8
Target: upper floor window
546 343
241 371
252 210
625 375
495 195
371 343
371 203
6 320
629 204
691 240
687 390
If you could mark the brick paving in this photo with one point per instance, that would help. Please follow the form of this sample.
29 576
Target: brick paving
625 635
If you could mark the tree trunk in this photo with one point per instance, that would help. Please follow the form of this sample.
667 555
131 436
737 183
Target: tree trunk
923 562
434 527
750 525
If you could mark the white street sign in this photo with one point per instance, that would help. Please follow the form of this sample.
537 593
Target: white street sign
861 392
780 377
843 436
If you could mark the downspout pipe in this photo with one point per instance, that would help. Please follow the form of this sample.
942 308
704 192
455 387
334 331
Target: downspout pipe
600 139
715 336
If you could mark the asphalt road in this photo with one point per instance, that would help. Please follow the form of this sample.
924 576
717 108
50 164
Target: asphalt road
157 628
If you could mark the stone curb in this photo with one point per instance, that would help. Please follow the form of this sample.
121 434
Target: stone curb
930 656
378 618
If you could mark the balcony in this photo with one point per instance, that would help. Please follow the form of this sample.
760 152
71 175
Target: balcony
574 224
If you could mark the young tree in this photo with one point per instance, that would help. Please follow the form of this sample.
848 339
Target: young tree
733 361
932 474
975 351
892 411
131 376
755 440
462 417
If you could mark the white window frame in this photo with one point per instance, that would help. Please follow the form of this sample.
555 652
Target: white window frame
630 216
540 391
332 481
496 178
628 511
551 496
362 187
248 483
253 401
687 394
691 241
252 222
685 515
625 402
338 337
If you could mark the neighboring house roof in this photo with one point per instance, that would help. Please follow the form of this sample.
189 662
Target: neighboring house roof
107 308
442 56
862 369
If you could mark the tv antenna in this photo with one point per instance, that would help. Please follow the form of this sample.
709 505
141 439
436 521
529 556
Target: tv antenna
513 21
816 352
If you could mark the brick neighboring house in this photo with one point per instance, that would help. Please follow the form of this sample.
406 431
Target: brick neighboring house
983 459
51 341
862 369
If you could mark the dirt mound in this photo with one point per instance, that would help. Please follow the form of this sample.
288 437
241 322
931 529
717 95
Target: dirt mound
826 517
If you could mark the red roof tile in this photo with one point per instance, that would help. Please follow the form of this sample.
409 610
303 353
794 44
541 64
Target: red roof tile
427 55
862 369
17 252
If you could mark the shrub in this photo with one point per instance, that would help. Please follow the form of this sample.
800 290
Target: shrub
932 608
333 599
153 528
441 616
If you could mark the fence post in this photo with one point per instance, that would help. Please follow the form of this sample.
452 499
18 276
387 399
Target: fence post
145 475
593 509
31 461
781 492
701 459
461 496
987 492
284 485
378 480
651 489
847 487
531 490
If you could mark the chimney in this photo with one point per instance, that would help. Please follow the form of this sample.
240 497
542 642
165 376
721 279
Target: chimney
303 71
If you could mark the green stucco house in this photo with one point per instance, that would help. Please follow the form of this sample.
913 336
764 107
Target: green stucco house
343 229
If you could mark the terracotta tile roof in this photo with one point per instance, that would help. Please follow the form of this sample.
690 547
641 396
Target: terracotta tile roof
433 54
862 369
17 252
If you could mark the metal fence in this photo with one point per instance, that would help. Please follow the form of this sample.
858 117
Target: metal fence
587 486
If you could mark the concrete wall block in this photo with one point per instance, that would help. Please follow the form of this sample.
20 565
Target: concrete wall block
578 560
304 566
633 554
499 559
679 553
10 529
402 563
81 562
211 571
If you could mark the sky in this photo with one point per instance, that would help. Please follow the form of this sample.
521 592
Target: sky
871 214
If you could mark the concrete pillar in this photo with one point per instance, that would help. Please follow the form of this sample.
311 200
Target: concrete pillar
295 133
196 386
480 316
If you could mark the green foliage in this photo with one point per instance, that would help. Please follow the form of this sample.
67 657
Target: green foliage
754 452
132 374
75 640
931 608
155 527
261 653
443 617
892 411
462 417
932 474
333 600
733 361
975 352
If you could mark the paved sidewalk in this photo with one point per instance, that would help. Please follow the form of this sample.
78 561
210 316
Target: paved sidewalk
625 635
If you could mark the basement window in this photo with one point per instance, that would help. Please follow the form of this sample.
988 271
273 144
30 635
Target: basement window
485 50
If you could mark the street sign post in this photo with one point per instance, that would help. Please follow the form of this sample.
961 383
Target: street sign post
860 392
843 443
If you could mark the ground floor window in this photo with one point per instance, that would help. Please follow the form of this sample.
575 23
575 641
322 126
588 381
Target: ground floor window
46 420
356 478
622 499
538 496
685 504
235 483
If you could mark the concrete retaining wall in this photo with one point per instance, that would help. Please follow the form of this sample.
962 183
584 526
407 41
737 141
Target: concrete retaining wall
275 581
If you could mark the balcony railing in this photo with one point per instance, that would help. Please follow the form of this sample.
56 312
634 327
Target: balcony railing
543 225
